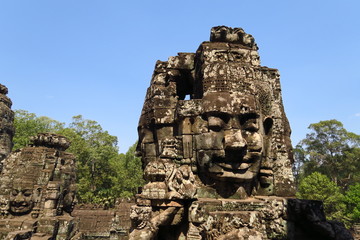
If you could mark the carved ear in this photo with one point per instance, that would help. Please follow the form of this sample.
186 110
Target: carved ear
268 123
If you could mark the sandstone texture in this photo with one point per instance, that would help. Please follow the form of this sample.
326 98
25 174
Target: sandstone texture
6 123
216 152
99 222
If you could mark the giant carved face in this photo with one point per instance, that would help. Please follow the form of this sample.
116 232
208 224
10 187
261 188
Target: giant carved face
232 147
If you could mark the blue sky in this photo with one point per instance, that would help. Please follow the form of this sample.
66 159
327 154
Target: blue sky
96 57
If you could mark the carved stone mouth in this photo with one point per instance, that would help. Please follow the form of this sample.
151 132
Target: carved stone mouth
236 163
234 167
19 205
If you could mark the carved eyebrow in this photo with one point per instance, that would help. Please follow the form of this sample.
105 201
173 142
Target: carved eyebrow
245 117
224 116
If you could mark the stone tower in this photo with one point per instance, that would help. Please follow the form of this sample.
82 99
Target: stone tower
6 124
216 152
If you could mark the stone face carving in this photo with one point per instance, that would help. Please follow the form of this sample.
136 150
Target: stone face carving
215 146
232 133
6 124
37 190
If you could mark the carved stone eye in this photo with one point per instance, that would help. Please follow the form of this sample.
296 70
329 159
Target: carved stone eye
219 56
237 56
249 122
27 193
217 121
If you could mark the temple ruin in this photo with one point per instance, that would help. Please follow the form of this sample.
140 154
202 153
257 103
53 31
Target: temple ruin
37 191
216 152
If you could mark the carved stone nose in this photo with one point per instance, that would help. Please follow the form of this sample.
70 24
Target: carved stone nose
234 140
19 197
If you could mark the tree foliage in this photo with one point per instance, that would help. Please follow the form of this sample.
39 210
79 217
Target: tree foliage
317 186
352 201
94 149
327 168
102 173
129 176
331 150
28 124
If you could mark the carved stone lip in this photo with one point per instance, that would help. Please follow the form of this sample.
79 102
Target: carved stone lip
234 167
18 209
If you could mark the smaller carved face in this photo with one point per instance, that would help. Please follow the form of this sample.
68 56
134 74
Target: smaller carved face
21 201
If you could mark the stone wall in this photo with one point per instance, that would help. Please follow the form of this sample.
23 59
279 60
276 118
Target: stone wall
95 222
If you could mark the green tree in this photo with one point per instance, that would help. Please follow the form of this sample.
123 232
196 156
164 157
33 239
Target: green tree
352 201
331 150
317 186
95 150
28 124
102 173
129 175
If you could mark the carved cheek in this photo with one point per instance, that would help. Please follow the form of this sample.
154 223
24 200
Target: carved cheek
28 199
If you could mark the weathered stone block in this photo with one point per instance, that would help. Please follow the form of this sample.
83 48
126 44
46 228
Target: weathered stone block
182 61
187 146
164 115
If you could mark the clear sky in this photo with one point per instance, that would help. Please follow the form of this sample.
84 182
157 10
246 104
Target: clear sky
62 58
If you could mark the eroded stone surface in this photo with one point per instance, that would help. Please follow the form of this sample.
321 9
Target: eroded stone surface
37 190
6 123
216 152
